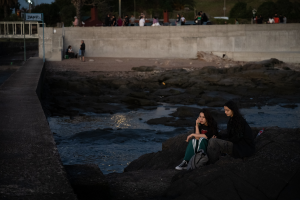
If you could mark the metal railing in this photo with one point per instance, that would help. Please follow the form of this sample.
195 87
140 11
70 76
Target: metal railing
16 29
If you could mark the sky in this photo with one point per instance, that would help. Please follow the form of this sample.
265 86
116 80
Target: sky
25 5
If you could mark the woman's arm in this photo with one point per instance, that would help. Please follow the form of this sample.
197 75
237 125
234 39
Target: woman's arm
196 136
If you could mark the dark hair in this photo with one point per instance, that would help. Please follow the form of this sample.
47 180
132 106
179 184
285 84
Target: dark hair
211 122
237 118
198 13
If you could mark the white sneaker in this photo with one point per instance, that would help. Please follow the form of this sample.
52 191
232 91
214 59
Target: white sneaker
183 165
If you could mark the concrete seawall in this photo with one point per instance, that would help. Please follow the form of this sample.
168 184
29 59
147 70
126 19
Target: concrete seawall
239 42
30 166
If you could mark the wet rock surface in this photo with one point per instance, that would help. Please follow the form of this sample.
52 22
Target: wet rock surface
253 84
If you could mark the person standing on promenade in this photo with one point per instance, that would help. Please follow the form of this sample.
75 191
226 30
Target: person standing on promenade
132 20
281 19
120 21
126 21
182 20
198 19
75 23
284 19
82 49
276 19
107 20
142 21
113 21
236 21
178 20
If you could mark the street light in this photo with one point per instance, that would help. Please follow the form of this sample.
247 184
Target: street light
29 2
120 8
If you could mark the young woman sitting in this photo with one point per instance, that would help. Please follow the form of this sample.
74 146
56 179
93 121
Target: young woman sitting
240 141
70 52
206 128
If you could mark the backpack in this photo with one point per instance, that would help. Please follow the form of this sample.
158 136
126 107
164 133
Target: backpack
198 160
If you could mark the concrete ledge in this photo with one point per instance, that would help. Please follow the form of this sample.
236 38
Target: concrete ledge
30 166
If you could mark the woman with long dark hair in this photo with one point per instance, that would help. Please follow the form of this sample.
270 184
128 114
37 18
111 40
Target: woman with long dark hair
178 20
206 128
240 141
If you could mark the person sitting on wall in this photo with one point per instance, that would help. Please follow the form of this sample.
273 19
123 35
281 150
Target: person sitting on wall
71 52
75 23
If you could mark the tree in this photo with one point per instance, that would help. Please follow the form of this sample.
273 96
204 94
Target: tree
6 4
78 4
267 9
51 13
239 10
67 14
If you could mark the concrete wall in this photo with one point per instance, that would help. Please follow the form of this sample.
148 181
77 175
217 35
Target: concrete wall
53 43
240 42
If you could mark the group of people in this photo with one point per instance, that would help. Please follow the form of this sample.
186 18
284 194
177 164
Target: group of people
71 54
272 20
238 142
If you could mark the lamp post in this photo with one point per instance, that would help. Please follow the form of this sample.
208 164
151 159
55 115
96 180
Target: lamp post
120 8
29 2
224 7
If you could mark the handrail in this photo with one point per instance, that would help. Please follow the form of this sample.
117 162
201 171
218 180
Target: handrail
17 28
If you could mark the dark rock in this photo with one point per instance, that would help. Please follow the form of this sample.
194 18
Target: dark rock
147 68
140 95
139 102
88 181
289 106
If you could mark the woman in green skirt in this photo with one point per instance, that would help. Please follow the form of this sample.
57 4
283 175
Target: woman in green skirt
206 127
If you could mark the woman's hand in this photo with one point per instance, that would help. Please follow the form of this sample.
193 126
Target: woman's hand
189 137
197 121
214 136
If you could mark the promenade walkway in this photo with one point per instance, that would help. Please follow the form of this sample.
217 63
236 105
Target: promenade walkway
30 166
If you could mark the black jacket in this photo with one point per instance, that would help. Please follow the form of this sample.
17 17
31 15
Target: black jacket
209 134
242 139
107 21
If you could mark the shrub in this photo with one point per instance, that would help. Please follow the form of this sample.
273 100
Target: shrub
240 10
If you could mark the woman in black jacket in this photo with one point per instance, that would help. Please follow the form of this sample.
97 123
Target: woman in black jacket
240 141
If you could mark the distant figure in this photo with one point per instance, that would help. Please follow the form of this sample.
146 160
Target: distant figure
178 20
260 20
276 19
142 21
281 19
182 20
284 19
271 20
82 48
120 21
198 19
107 20
225 22
75 23
126 21
155 22
113 21
236 21
70 52
204 18
132 20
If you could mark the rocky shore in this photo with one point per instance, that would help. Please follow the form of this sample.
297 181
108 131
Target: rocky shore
71 93
272 173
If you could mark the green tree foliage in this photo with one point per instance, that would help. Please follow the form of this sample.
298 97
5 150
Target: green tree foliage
267 9
67 14
6 7
51 13
240 10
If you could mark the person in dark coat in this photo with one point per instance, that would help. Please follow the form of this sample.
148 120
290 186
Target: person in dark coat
240 141
107 20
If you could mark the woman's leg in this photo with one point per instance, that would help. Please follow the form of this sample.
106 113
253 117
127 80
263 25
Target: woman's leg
216 147
190 150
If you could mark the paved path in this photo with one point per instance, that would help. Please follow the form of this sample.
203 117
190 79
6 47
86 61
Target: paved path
30 166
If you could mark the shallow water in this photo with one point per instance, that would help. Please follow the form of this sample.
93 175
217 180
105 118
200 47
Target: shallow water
112 141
